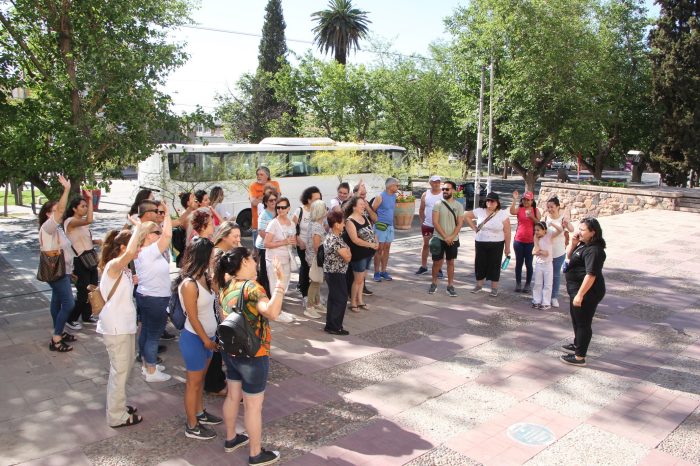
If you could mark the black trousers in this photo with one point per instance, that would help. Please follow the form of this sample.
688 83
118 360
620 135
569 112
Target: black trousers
303 273
215 379
262 272
85 277
337 300
487 262
582 319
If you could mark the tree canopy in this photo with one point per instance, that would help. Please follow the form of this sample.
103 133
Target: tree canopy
91 73
675 43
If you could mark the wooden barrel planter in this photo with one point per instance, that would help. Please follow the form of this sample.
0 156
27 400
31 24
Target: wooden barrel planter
403 215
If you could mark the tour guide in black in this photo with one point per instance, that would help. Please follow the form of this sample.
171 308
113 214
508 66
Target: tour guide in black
585 285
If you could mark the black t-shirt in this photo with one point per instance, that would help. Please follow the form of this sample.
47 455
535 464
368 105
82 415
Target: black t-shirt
587 259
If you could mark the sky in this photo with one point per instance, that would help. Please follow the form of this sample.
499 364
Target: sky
219 57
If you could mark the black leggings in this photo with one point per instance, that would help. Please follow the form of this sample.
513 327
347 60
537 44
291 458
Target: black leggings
85 277
582 318
303 273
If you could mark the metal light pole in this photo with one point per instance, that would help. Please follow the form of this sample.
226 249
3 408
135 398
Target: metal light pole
490 166
479 139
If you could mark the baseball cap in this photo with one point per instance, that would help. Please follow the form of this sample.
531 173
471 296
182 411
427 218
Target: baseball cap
435 178
528 195
492 197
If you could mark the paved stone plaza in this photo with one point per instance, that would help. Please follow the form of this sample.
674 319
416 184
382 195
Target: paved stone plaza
422 379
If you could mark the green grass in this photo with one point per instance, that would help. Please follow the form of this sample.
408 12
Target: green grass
26 197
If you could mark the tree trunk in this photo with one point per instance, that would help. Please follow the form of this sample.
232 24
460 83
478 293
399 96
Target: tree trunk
530 180
637 170
7 195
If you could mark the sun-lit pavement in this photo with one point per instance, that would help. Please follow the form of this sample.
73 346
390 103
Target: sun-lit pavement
422 379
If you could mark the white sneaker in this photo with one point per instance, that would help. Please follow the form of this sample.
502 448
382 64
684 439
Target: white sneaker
157 376
311 313
555 302
285 317
320 308
159 367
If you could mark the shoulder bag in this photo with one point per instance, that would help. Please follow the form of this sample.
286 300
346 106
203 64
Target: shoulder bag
435 243
97 302
236 335
52 264
88 258
478 229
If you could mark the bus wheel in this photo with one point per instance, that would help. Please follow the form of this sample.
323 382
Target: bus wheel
244 220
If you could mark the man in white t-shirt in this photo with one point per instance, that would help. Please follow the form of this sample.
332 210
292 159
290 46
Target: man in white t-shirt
425 213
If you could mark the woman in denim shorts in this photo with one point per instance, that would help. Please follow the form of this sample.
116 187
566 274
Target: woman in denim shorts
359 236
235 273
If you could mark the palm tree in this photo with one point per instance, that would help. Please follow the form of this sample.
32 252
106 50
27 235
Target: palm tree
340 28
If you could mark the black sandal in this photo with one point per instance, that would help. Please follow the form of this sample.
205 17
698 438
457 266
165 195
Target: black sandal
132 421
131 409
68 337
60 346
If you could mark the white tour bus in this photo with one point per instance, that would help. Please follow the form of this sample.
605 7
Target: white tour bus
176 168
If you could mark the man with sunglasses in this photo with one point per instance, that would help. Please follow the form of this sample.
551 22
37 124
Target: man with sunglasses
448 216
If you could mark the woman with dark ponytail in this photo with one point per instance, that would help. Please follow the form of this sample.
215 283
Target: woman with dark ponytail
585 285
197 343
247 377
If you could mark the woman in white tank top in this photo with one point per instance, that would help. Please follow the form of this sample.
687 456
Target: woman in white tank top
197 339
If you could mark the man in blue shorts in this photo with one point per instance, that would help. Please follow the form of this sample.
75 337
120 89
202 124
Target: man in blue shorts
384 205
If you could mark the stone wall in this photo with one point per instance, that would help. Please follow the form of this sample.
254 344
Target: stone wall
599 201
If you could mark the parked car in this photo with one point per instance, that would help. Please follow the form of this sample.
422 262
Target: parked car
468 189
556 164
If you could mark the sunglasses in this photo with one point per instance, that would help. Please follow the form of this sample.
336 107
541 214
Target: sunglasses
272 200
160 212
447 189
282 207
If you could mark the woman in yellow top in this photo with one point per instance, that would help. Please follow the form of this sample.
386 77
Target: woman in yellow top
246 376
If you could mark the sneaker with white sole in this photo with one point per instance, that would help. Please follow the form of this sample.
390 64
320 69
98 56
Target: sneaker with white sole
92 320
476 289
555 302
285 317
545 307
264 457
199 432
159 367
157 376
432 289
451 292
494 292
74 325
421 270
235 443
311 313
209 419
320 308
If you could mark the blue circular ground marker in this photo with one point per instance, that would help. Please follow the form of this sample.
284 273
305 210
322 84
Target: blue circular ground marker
531 434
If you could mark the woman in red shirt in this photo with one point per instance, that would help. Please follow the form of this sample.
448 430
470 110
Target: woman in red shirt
524 240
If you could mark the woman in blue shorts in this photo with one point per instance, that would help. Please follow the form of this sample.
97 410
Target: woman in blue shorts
247 377
197 338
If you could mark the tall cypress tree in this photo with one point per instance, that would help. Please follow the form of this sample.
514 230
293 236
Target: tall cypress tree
273 43
675 46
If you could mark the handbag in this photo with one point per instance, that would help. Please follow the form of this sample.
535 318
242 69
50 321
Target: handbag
97 302
236 335
316 272
88 258
52 264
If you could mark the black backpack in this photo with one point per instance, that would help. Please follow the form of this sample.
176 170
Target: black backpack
236 336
